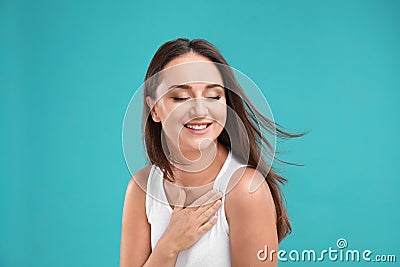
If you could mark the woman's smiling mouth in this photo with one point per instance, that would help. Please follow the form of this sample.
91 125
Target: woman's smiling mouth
198 127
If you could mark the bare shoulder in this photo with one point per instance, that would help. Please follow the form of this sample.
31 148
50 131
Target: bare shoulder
135 195
247 181
248 193
135 234
139 179
250 212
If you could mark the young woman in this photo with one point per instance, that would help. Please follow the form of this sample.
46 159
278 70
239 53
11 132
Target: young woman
204 139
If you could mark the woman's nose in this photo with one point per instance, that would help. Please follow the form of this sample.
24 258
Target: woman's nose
198 107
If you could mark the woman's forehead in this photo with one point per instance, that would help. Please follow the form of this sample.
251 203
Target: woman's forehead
182 75
189 57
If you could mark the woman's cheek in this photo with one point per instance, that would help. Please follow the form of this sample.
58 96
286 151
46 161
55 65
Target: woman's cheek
173 122
219 113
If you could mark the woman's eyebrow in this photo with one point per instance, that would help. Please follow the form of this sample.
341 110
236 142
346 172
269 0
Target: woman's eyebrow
182 86
186 86
214 85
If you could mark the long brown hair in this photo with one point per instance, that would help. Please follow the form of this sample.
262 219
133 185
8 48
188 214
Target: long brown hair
254 122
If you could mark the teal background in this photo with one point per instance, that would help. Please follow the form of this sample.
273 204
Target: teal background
69 68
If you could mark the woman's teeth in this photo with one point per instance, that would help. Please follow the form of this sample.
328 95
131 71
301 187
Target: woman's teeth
197 127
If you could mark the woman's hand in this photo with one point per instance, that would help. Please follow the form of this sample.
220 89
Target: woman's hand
188 225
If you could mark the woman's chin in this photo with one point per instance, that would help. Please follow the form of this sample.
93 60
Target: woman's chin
196 144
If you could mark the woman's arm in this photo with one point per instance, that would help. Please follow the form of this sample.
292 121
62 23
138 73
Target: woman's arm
135 238
186 226
252 222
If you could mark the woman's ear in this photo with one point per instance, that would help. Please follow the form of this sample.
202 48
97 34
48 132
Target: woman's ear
153 109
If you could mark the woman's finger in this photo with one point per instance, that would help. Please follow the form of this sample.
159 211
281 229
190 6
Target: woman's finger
208 225
206 214
204 198
207 199
208 204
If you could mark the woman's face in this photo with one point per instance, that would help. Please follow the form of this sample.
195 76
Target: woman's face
192 114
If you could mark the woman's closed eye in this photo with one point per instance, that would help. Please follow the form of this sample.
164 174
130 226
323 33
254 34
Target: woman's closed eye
182 99
179 99
218 97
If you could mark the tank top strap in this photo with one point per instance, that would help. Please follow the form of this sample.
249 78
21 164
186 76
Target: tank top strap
231 165
154 190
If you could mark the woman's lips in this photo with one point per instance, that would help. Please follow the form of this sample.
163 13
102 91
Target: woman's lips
198 128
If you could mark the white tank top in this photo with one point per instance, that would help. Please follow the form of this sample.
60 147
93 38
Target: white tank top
212 249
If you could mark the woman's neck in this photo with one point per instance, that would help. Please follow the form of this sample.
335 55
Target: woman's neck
191 177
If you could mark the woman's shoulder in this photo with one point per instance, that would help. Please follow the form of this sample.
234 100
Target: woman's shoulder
140 178
245 179
247 192
135 194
